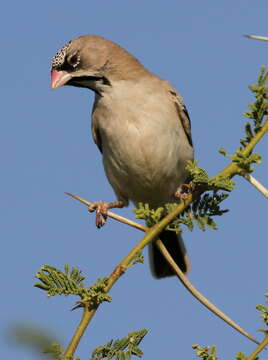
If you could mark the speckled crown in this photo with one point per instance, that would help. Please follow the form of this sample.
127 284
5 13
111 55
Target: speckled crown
59 58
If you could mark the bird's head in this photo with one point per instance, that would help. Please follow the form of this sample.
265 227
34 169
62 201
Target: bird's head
92 62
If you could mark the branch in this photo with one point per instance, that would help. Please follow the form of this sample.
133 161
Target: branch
111 214
117 272
184 280
188 285
257 37
255 183
262 345
233 168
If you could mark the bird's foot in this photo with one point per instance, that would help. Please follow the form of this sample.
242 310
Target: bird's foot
101 208
184 190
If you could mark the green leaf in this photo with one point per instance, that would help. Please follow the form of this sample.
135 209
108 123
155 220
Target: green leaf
119 349
241 356
264 313
258 110
55 351
138 259
56 282
222 151
206 353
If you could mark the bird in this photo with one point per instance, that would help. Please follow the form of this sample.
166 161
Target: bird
141 127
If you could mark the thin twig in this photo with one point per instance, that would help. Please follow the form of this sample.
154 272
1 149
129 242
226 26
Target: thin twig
112 215
257 37
256 184
189 286
184 280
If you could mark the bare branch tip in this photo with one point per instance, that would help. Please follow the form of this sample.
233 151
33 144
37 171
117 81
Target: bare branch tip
257 37
69 194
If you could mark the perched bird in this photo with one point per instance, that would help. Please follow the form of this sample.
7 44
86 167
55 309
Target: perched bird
141 126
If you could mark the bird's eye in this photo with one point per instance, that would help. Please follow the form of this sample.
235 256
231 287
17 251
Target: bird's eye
74 60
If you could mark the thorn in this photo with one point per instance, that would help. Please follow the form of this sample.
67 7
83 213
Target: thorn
78 198
256 37
79 305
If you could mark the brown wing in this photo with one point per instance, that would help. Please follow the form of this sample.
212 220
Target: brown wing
94 128
182 112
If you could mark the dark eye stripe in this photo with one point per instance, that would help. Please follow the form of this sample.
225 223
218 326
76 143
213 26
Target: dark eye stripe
59 58
74 61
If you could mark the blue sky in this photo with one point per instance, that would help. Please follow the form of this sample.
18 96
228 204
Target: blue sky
46 149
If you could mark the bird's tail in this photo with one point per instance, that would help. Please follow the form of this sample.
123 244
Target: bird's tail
175 246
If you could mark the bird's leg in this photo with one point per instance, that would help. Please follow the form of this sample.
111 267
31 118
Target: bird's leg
101 208
184 190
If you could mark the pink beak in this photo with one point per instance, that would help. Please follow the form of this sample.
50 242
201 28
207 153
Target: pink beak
59 78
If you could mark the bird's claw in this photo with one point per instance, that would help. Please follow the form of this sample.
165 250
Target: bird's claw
184 190
101 209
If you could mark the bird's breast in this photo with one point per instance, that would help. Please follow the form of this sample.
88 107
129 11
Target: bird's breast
144 150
